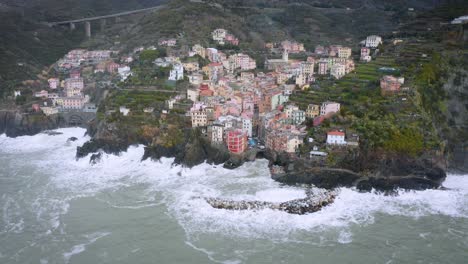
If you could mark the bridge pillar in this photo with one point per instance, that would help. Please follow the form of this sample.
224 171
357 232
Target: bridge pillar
72 26
87 28
117 19
103 24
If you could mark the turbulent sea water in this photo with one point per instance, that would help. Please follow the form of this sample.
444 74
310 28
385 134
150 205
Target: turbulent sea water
55 209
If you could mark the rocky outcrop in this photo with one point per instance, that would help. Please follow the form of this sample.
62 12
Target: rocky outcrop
15 124
96 145
314 202
328 178
387 174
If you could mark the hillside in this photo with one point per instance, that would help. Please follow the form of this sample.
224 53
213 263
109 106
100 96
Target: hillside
26 46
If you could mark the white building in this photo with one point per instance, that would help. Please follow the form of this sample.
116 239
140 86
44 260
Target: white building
373 41
344 52
177 72
193 94
124 72
289 109
17 93
219 35
247 126
336 138
199 118
293 143
217 133
124 110
338 70
195 78
329 107
53 83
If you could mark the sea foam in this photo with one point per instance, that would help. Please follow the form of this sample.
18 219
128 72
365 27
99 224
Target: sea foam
183 191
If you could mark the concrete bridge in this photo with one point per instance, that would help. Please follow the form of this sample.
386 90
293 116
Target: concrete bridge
102 19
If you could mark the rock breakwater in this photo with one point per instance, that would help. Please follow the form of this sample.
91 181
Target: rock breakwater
315 200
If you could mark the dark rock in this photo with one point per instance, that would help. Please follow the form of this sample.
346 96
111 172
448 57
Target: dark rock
95 145
321 177
393 183
95 158
15 124
72 139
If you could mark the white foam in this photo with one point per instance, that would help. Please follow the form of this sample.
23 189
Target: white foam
77 249
184 191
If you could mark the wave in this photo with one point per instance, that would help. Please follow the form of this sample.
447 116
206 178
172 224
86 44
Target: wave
77 249
183 191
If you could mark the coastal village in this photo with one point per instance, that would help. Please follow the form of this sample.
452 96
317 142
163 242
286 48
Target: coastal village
229 99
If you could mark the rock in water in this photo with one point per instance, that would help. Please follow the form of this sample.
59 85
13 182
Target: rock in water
316 199
95 158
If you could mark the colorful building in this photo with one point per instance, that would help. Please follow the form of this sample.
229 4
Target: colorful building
236 141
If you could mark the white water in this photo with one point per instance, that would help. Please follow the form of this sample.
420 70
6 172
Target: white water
180 191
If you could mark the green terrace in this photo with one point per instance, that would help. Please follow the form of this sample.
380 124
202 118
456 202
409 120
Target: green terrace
136 100
355 87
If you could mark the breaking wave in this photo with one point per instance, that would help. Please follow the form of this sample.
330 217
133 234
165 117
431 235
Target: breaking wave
182 192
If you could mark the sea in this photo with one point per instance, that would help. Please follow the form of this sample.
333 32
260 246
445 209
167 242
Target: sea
57 209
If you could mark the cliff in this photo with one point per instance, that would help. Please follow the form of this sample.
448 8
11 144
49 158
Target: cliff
15 124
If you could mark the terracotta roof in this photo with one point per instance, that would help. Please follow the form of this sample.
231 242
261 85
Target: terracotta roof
336 133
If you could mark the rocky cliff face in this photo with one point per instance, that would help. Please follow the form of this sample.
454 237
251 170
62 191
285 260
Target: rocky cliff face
15 124
385 174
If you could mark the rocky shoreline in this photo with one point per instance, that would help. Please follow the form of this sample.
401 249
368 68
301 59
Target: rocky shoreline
383 174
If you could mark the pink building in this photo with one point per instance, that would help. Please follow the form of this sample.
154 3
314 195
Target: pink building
53 83
231 39
73 102
389 84
42 94
292 46
36 108
74 83
112 67
328 108
365 52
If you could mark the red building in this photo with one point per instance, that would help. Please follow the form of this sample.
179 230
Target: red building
205 90
318 120
236 141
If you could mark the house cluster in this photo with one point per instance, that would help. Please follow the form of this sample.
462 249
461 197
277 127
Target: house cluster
368 45
290 46
66 95
239 108
334 61
222 37
77 57
390 84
